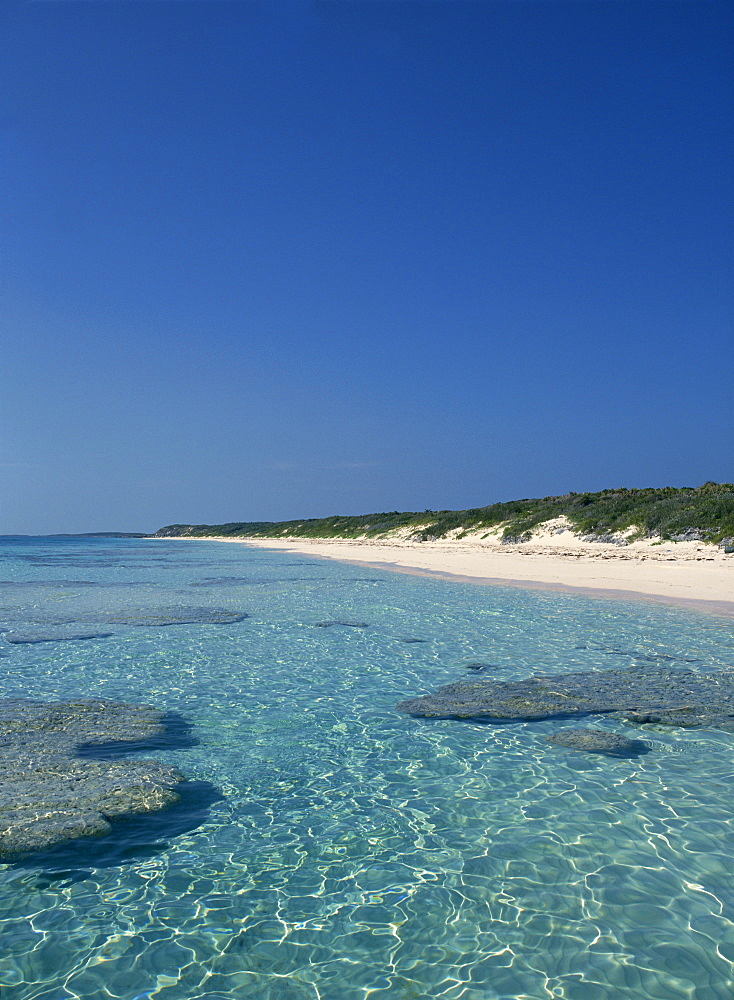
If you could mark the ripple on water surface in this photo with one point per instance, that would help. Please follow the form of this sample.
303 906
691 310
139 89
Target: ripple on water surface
357 852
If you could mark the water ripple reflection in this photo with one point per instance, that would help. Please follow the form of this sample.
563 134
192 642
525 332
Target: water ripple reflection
358 853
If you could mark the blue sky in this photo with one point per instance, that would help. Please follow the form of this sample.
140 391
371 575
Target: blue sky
285 259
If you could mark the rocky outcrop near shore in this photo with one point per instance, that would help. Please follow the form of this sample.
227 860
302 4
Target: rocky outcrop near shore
56 782
640 695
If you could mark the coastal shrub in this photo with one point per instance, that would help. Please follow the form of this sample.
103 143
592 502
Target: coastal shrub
705 512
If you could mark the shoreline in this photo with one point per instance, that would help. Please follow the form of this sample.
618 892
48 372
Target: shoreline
679 573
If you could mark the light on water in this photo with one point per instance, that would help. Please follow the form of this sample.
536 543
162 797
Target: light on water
353 852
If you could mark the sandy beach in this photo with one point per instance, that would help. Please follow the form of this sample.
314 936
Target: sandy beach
685 572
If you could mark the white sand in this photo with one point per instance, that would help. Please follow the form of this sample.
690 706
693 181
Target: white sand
674 572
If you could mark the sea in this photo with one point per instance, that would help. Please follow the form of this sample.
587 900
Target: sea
334 848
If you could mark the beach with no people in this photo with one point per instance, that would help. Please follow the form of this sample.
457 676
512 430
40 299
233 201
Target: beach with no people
687 572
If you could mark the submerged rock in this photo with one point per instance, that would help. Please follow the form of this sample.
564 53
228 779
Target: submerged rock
53 584
158 617
23 638
144 617
599 741
638 694
50 793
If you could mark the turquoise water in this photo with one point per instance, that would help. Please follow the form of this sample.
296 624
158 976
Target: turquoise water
358 853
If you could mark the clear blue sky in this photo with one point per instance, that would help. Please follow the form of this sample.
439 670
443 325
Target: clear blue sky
284 259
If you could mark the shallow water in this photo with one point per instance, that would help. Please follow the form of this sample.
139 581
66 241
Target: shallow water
357 853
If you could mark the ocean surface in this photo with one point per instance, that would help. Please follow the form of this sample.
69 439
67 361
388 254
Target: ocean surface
351 852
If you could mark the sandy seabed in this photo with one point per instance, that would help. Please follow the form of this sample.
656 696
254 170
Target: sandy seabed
672 572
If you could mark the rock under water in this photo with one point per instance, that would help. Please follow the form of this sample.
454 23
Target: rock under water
158 617
599 741
31 638
638 694
53 791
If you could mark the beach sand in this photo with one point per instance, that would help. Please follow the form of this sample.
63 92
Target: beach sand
685 572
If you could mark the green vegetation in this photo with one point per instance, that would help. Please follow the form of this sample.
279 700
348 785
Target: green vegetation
705 513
